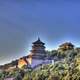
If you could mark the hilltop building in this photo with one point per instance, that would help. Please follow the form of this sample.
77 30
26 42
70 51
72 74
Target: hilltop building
37 55
38 52
66 46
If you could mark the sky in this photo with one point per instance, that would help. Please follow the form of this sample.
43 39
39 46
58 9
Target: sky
23 21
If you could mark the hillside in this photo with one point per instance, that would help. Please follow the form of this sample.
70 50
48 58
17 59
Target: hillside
66 66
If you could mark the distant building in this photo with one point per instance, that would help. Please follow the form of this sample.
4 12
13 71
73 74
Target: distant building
66 46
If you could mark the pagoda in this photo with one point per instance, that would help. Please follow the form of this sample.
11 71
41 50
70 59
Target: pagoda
37 57
38 49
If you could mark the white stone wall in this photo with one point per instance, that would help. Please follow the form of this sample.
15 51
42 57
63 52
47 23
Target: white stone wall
36 62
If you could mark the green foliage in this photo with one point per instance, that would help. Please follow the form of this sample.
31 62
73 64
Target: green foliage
65 68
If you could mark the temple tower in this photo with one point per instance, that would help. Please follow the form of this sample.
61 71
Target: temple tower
38 49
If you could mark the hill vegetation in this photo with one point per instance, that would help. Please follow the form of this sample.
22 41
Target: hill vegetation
66 66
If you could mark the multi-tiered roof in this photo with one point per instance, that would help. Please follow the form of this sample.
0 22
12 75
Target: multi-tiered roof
38 49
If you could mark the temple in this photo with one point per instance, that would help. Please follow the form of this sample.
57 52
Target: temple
37 56
38 50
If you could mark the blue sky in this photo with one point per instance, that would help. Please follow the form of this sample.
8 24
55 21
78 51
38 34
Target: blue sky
22 21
